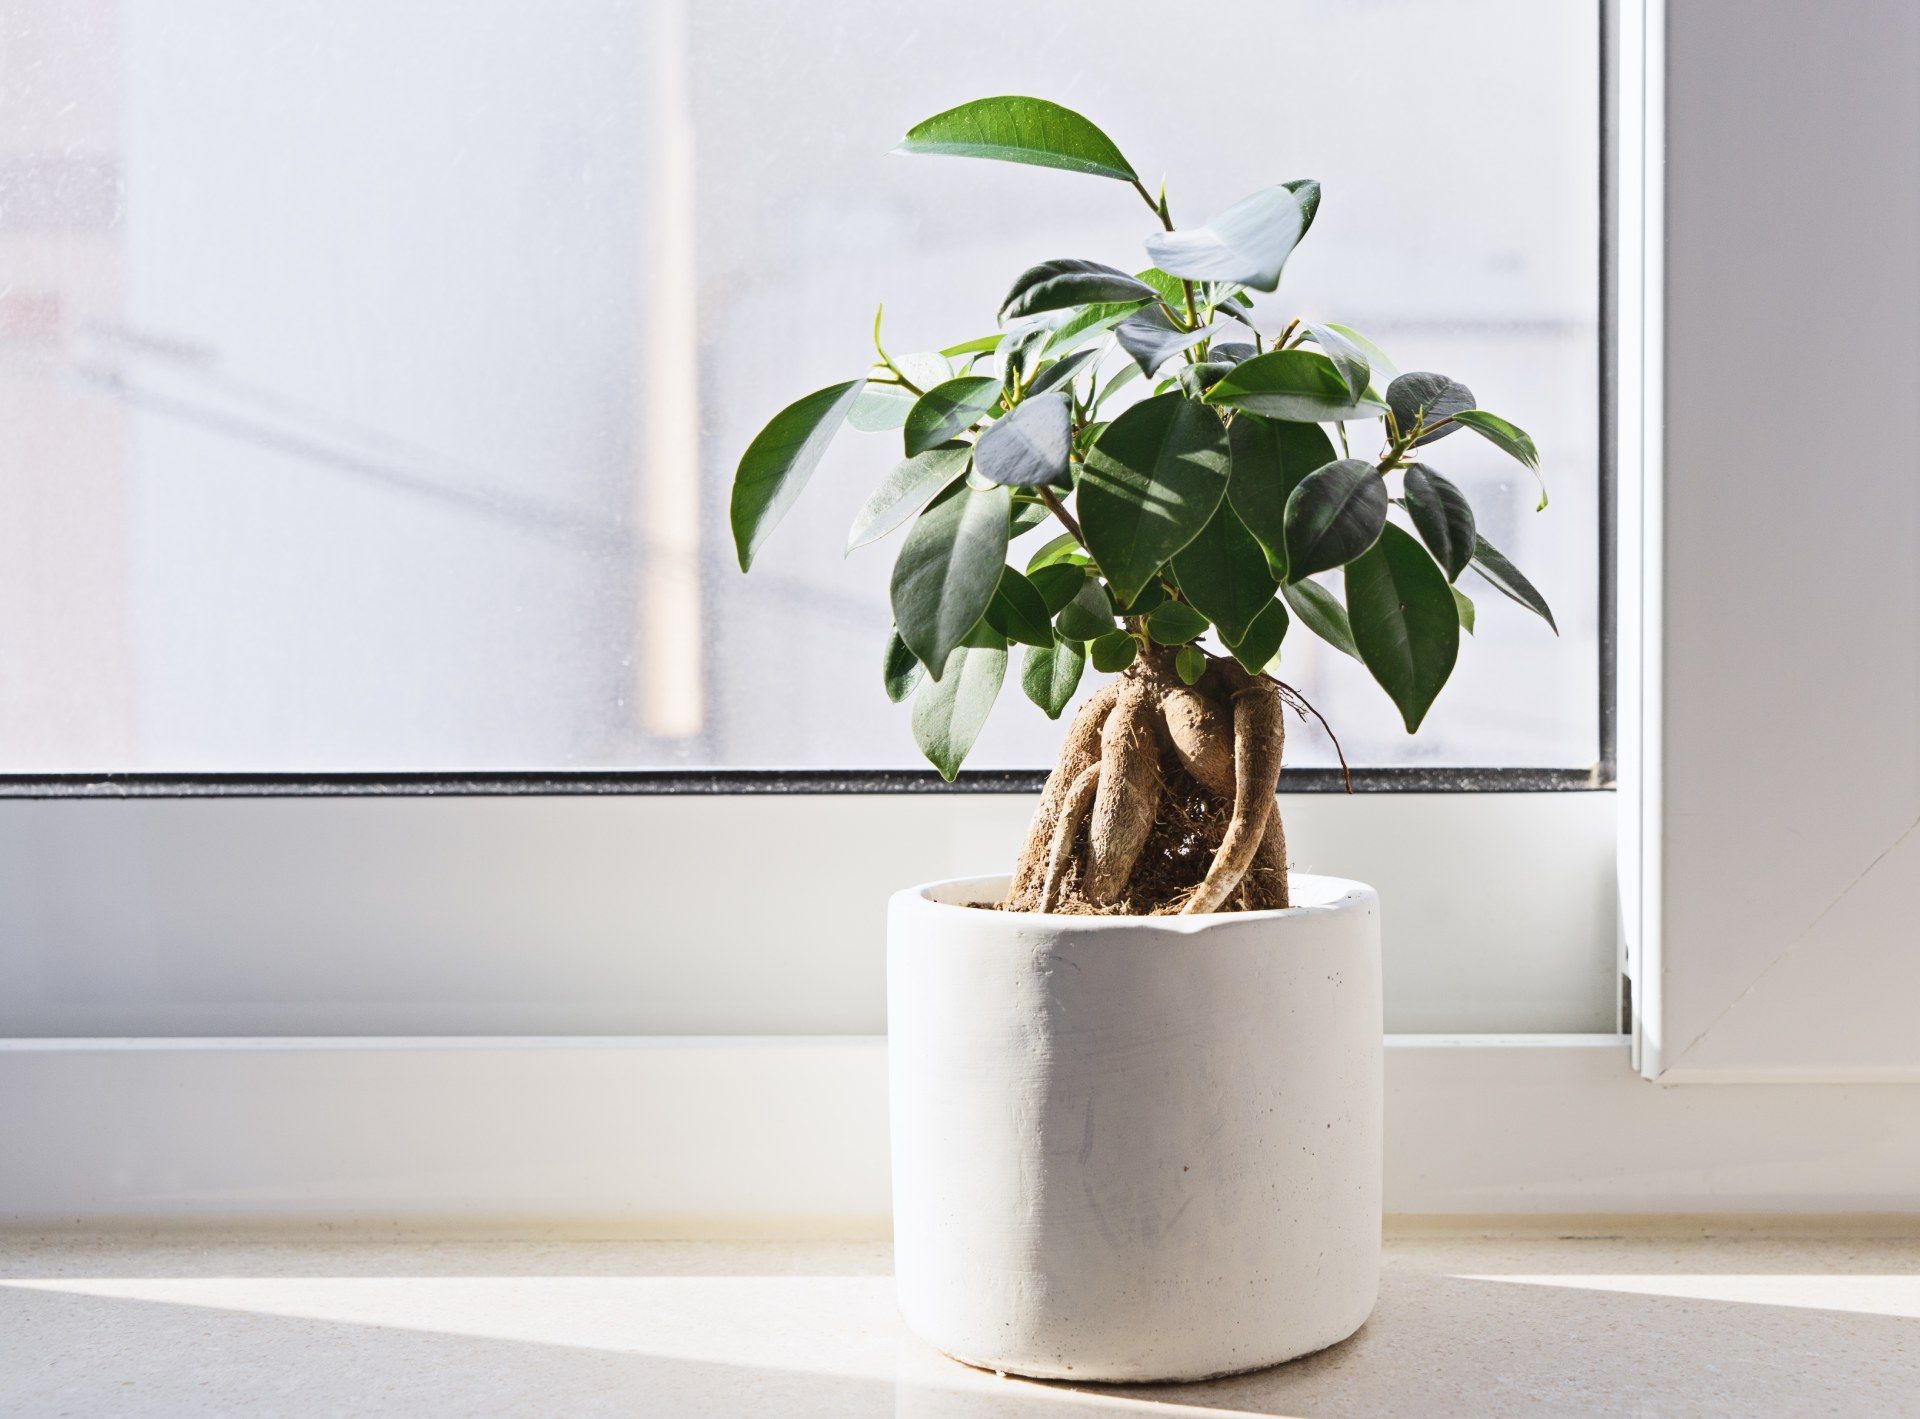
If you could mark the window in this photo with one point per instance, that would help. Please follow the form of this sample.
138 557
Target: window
371 375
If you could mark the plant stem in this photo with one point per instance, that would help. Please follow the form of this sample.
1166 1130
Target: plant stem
1166 221
1059 510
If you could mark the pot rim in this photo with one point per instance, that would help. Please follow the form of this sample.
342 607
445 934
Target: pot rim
1332 896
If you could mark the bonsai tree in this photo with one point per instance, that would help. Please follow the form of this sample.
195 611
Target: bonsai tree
1185 455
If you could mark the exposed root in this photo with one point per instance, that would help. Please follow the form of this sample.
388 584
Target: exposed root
1257 739
1080 749
1073 813
1129 789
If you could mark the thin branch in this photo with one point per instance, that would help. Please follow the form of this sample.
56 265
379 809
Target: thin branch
1059 510
1301 703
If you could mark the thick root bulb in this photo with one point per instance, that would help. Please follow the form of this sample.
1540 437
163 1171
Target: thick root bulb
1128 791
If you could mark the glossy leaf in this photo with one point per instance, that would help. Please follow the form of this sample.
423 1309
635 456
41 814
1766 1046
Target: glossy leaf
1148 597
1061 372
1067 282
1026 517
1190 664
1224 574
908 488
1113 652
1229 352
948 712
1088 324
1269 460
1021 352
1152 339
1385 371
1440 514
948 570
779 461
1018 612
1014 129
1425 398
1149 486
1197 379
1247 244
902 671
979 345
1404 621
1064 548
1508 439
1333 516
1506 579
1320 611
880 409
1088 616
1051 674
948 410
1257 648
1463 607
1175 623
1347 357
1028 447
1298 385
1058 583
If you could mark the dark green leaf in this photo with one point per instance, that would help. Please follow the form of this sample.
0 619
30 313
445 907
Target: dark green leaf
1333 516
1148 597
1426 399
1175 623
1506 579
1439 511
1247 244
1013 129
779 461
880 408
908 488
949 711
1347 357
1113 652
948 569
1224 573
1028 447
1064 548
1051 674
1026 517
1229 352
903 672
1269 460
1508 439
1018 612
1464 607
1297 385
1196 380
1021 352
1149 486
1088 616
949 409
1060 284
1058 583
1257 648
1061 372
1320 611
1404 621
1190 664
1152 339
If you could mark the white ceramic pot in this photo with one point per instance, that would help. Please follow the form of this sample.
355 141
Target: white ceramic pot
1135 1148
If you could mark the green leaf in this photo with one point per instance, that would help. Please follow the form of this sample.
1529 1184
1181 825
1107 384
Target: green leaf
1506 579
1298 385
1190 664
1088 616
1021 352
1018 612
1440 513
1197 379
779 461
1064 548
1026 517
1320 611
1051 674
1175 623
1060 372
949 409
1464 608
1247 244
924 368
1058 583
1404 621
1066 282
1425 398
1382 365
908 488
948 570
1347 357
880 409
1269 461
1169 288
1148 597
1229 352
1508 439
1093 321
1257 648
1113 652
1224 573
979 345
1152 339
1028 447
903 671
1013 129
949 711
1333 516
1149 485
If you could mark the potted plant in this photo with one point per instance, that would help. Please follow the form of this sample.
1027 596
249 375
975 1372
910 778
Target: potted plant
1136 1082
